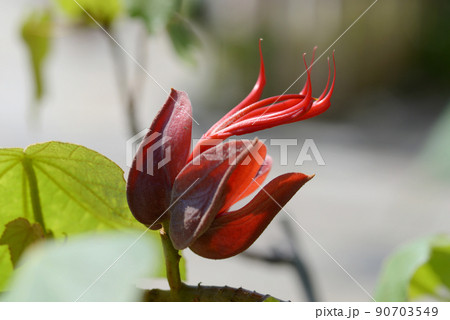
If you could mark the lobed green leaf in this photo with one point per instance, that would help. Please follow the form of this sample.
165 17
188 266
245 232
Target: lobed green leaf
74 188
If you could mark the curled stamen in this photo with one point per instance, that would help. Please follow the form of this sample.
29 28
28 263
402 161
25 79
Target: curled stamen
252 97
323 104
308 70
277 107
255 106
328 82
273 111
306 92
269 118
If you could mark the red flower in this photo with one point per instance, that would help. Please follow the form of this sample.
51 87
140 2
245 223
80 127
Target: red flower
196 192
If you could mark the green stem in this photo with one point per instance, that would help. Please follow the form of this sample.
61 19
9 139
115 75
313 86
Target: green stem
172 262
182 292
34 192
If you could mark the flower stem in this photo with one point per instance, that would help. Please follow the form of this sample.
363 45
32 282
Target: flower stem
182 292
172 261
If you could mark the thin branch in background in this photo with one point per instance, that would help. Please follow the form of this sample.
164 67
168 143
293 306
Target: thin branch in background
127 93
139 77
293 259
299 264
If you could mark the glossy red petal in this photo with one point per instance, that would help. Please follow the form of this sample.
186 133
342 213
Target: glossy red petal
208 184
269 119
244 174
232 233
252 97
273 108
272 101
308 70
258 180
220 132
321 105
160 157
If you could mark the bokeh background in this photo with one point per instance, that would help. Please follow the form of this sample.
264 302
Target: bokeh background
385 140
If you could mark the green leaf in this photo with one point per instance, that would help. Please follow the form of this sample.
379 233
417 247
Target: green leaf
416 269
103 11
19 234
183 38
75 188
36 33
6 267
101 267
432 279
155 14
70 187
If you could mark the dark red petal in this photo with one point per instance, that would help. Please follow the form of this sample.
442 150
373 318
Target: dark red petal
149 187
233 232
209 184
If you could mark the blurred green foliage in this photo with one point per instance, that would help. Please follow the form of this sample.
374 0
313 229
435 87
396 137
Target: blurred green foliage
436 153
103 11
36 33
172 16
99 267
433 277
433 48
155 14
416 271
183 37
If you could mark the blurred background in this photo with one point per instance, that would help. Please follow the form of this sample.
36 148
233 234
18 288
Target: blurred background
385 140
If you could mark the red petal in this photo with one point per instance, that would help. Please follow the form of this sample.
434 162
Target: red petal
232 233
210 184
323 103
252 97
276 107
269 120
149 187
258 180
272 101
